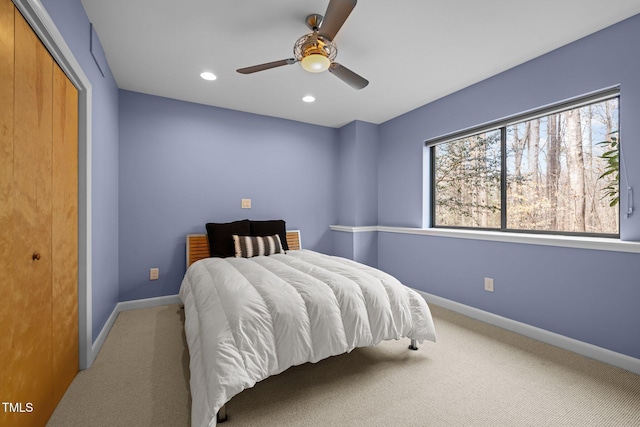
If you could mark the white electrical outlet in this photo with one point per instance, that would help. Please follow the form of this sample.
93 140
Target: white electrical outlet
154 273
246 203
488 284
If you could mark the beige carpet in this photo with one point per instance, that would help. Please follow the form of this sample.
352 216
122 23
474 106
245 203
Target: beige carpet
475 375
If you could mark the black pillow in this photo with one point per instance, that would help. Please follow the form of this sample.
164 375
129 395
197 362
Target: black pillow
220 237
269 228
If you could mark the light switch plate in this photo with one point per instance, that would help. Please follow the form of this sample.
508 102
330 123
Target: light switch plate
488 284
246 203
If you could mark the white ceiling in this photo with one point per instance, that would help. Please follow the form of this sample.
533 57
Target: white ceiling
411 51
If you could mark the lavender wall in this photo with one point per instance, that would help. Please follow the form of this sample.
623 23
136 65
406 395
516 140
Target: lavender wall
588 295
347 209
358 191
358 159
72 22
366 166
183 165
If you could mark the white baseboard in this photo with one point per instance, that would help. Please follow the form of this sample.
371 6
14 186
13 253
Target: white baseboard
124 306
588 350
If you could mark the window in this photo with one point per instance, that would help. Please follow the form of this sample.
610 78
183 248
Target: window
551 171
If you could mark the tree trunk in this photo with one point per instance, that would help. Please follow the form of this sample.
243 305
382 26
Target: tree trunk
534 153
575 161
553 171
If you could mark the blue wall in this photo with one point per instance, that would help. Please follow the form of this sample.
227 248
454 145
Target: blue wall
183 165
358 159
358 191
72 22
588 295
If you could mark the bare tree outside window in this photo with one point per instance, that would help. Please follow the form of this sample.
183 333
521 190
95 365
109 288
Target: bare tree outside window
560 175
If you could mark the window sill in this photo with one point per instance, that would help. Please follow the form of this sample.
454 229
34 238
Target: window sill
594 243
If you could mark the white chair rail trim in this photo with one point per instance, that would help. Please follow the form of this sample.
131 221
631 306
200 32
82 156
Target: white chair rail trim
578 242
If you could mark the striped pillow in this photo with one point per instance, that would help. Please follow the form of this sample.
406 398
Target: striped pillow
250 246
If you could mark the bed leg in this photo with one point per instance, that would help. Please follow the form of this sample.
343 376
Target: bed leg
413 345
221 416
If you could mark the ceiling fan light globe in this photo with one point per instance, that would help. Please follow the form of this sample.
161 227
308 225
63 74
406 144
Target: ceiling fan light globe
315 63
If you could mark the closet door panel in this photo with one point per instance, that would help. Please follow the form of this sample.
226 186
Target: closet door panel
7 313
39 225
65 232
31 300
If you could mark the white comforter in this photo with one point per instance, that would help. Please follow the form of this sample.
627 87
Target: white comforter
247 319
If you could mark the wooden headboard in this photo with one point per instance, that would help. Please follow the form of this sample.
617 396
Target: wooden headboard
198 245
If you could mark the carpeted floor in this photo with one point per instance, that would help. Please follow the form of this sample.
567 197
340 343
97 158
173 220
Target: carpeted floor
475 375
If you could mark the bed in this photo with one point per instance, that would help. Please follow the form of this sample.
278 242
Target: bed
250 317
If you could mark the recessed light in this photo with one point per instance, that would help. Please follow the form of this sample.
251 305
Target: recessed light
308 98
208 76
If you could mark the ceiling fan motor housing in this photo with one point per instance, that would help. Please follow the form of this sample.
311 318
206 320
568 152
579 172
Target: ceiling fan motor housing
315 44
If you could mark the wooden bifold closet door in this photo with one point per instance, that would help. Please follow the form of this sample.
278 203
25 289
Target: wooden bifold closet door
38 226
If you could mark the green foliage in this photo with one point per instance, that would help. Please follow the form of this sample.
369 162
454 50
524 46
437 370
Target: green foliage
612 170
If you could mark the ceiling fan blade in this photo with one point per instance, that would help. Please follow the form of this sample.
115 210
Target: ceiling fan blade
349 77
337 12
268 65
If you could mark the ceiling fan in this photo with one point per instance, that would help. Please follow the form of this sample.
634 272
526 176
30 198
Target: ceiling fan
316 51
